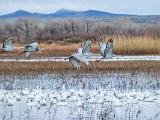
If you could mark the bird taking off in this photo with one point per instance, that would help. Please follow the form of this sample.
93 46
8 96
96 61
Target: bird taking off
33 47
8 46
86 47
78 57
106 49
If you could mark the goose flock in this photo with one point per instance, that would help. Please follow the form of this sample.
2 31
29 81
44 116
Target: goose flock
82 55
36 101
39 98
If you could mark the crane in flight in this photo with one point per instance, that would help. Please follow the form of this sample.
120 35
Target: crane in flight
28 49
86 47
8 46
82 55
105 49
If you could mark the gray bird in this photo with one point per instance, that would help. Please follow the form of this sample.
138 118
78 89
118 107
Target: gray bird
33 47
106 49
8 46
86 47
82 55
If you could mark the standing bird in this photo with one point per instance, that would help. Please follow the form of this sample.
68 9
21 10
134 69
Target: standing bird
33 47
8 46
106 49
82 55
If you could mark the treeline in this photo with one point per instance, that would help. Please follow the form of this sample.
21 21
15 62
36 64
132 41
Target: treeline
28 30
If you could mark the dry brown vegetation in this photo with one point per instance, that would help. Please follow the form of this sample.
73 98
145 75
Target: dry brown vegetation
63 37
28 30
66 66
123 45
139 45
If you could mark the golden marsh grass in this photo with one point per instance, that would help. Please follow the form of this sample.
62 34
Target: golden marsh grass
123 45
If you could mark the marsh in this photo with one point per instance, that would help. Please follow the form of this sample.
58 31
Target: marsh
120 94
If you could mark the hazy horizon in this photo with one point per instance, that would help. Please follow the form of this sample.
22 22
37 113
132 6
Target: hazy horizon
142 7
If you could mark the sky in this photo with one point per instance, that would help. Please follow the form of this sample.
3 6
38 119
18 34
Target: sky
139 7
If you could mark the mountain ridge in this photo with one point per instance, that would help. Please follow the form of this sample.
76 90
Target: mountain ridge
62 13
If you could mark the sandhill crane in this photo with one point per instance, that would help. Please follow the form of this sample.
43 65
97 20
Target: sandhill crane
86 47
33 47
8 46
78 57
106 49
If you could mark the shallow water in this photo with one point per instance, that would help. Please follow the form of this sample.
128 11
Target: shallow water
113 90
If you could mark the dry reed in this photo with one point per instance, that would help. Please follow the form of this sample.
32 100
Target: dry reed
66 66
123 45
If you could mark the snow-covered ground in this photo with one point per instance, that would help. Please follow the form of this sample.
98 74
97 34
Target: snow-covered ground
92 58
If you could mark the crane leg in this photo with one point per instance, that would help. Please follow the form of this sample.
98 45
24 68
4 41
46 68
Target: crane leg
21 53
100 59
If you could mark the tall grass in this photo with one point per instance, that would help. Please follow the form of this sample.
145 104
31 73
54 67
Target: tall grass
139 45
123 45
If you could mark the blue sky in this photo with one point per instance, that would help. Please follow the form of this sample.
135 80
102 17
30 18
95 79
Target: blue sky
140 7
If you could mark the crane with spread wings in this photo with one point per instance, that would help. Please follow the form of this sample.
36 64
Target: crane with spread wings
106 50
28 49
82 55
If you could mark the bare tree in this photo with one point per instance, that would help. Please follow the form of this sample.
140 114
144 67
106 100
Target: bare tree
52 29
88 25
28 28
73 27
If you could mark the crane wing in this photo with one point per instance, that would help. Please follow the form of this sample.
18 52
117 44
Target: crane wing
8 43
28 54
108 50
32 47
86 47
75 62
81 58
102 48
27 48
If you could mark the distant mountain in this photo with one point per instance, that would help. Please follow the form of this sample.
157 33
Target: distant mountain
64 13
22 13
61 13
